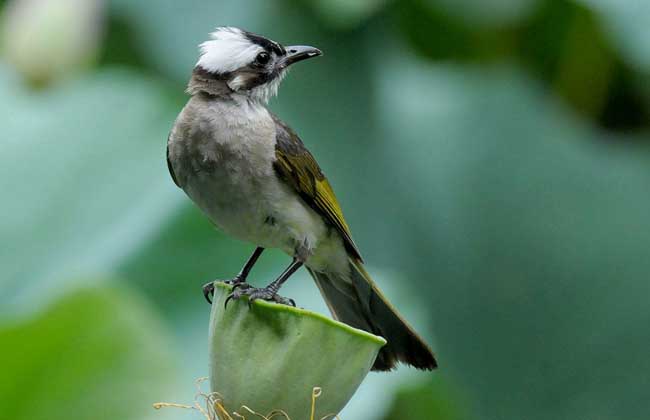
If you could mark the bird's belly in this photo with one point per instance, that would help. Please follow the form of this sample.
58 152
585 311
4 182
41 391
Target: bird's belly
267 213
256 208
235 203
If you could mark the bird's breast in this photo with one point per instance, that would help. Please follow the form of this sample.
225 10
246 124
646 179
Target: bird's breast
223 154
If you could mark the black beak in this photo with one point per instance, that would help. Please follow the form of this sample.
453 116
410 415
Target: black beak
297 53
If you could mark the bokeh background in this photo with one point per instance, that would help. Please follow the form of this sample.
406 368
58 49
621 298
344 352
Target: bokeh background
491 157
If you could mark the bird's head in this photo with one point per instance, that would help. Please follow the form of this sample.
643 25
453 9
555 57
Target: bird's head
246 63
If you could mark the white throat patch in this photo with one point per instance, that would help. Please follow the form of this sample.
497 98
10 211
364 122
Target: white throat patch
265 92
228 50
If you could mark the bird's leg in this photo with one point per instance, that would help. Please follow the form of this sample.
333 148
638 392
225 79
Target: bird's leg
270 292
239 280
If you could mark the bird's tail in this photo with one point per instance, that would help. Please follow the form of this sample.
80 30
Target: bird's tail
358 302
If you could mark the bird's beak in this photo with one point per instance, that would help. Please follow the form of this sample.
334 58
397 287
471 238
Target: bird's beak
297 53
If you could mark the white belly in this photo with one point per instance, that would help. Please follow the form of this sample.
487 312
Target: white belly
254 208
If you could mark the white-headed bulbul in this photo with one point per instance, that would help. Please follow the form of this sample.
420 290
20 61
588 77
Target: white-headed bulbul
253 177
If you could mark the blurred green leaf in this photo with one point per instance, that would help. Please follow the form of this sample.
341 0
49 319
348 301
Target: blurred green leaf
433 33
486 13
627 22
428 401
529 232
95 354
586 65
83 180
346 14
437 34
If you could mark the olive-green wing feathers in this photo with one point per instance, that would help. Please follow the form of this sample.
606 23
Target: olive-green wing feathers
299 169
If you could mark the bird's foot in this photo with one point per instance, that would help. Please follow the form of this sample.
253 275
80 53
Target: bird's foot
265 293
208 288
236 281
208 291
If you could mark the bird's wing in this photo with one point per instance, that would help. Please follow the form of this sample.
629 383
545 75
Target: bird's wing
296 166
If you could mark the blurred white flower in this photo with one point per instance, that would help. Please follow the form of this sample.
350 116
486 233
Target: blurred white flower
48 40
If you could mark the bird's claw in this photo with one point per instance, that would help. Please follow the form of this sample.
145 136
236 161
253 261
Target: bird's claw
208 291
254 294
236 282
240 285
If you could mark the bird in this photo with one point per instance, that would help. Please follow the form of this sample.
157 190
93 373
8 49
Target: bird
255 180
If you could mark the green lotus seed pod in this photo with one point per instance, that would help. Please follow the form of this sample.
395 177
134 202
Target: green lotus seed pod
270 357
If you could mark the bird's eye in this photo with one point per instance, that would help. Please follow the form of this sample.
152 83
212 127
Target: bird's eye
262 58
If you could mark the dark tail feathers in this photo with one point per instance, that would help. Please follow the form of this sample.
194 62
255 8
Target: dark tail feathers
361 304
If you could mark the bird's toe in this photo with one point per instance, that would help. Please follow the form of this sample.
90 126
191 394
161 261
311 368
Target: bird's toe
208 291
254 294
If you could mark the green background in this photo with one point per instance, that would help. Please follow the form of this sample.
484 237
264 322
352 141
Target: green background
492 159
